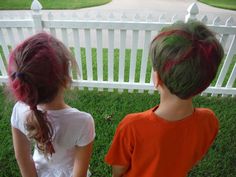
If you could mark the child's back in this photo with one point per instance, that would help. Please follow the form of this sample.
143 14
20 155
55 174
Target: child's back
71 128
153 146
168 140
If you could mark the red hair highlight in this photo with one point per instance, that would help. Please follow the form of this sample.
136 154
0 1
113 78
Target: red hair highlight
186 57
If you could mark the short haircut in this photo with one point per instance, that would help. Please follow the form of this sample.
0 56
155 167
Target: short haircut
186 56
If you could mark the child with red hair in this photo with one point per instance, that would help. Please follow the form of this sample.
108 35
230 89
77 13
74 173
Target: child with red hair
38 76
169 139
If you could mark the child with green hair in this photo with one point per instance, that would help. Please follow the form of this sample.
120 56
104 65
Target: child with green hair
169 139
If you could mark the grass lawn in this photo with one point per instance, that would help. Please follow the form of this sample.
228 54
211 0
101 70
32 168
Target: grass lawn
219 162
49 4
225 4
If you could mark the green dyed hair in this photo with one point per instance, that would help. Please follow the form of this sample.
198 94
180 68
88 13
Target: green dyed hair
186 56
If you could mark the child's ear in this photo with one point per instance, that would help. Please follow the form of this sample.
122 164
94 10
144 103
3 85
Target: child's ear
67 83
156 79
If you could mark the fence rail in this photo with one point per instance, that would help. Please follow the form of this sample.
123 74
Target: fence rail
113 54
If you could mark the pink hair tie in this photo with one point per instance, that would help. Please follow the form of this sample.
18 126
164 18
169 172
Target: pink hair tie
19 74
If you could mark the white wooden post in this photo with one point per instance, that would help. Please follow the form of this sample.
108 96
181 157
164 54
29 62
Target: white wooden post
204 19
36 15
224 38
192 12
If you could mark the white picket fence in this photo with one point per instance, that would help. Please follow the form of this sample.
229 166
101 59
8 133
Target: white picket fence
113 53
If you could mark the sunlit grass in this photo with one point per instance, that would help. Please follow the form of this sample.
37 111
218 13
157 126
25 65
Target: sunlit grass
49 4
220 160
225 4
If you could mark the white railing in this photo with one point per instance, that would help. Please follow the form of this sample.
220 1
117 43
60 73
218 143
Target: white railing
113 53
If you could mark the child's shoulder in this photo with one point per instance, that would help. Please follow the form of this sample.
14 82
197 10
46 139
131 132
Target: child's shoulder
135 118
72 119
20 107
20 104
205 111
207 115
76 114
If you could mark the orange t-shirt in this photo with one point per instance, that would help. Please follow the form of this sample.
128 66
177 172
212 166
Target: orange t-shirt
154 147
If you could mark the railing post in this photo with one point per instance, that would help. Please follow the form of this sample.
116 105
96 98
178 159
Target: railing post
192 12
36 15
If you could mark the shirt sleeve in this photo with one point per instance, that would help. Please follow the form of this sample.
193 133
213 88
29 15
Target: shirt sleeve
214 132
14 119
211 133
121 149
87 131
18 117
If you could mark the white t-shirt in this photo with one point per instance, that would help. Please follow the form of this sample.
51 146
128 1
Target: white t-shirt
71 128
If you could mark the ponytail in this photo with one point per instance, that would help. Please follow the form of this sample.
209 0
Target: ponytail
37 124
41 130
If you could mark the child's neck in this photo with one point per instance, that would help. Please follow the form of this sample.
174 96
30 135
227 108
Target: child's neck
57 103
172 108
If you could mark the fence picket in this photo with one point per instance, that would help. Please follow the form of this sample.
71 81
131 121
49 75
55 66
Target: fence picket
30 31
99 56
11 37
232 78
65 41
204 19
174 18
52 30
133 57
2 67
226 64
122 57
144 62
64 36
216 20
20 33
4 46
223 40
88 49
78 53
224 37
110 56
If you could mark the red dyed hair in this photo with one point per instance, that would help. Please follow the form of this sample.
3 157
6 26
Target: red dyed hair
186 57
37 69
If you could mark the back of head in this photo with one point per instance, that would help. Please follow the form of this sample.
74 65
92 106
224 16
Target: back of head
38 68
186 57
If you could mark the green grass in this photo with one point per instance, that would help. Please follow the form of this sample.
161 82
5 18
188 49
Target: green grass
220 160
225 4
51 4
